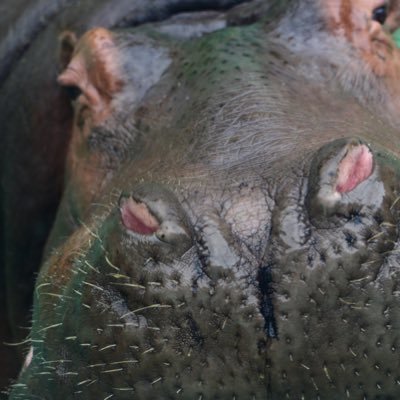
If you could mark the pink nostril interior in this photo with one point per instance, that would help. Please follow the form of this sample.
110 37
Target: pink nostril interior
354 169
137 217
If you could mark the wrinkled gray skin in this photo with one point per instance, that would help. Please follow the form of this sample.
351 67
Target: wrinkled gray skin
252 287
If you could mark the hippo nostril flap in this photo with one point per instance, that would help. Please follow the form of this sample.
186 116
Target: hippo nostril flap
355 167
171 232
137 218
338 169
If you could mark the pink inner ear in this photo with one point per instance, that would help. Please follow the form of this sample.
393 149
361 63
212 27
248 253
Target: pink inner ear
355 168
137 217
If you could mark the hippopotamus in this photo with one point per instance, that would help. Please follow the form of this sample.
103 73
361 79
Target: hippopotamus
228 227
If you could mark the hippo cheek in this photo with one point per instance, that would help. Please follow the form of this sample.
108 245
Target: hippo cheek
337 304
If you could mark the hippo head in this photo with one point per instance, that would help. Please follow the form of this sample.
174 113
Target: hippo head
230 222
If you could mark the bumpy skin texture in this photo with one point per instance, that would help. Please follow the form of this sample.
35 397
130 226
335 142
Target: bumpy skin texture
242 241
36 118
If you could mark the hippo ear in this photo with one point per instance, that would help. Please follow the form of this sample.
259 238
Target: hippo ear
336 171
94 69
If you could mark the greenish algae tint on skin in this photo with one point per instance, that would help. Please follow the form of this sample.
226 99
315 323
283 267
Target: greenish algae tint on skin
396 37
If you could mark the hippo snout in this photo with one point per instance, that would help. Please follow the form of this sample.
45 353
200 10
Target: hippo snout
140 308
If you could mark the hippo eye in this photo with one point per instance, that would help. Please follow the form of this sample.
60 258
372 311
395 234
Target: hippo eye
380 14
73 92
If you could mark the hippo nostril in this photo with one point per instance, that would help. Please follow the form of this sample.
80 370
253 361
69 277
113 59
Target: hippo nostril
154 213
354 168
343 181
342 166
137 218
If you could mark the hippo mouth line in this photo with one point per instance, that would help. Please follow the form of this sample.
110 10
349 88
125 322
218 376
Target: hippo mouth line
266 305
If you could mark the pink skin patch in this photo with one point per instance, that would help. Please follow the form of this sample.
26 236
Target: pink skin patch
137 218
355 168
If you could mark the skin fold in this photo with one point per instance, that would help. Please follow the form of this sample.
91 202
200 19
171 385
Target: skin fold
229 222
